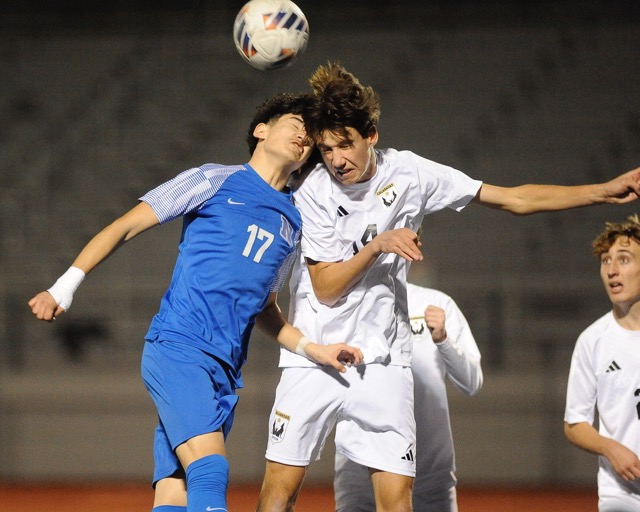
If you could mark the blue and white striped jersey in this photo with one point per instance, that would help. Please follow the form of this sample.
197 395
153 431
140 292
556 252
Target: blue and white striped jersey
238 241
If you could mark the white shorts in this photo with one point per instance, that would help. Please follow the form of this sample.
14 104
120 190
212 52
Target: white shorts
614 493
620 501
618 504
371 407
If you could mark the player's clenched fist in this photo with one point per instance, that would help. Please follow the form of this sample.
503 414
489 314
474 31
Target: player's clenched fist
44 307
434 317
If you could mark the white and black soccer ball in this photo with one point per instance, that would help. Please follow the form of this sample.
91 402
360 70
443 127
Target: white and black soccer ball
270 34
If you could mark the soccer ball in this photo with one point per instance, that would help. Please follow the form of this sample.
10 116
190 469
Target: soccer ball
270 34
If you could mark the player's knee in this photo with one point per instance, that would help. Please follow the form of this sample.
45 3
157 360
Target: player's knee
280 487
170 491
393 493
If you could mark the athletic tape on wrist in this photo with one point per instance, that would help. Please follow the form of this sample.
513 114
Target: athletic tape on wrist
63 289
302 343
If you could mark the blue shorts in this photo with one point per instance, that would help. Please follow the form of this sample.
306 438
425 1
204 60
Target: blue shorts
193 396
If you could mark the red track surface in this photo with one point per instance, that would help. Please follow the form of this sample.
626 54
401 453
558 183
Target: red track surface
139 498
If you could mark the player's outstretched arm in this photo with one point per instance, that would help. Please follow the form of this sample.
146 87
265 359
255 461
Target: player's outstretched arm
332 280
48 304
624 461
527 199
272 322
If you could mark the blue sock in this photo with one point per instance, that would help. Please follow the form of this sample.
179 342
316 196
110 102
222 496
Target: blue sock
207 482
169 508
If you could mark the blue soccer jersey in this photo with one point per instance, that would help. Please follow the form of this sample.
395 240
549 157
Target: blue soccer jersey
238 241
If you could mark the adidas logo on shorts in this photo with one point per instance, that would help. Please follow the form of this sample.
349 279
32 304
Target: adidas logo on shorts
409 456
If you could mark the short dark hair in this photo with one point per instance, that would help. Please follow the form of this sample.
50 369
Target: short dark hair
274 108
630 229
341 102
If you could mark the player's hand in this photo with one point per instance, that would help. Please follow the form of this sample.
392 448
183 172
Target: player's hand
434 318
623 189
44 307
402 242
625 462
338 355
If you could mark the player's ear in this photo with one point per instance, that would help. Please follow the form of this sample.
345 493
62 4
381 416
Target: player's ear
260 131
373 136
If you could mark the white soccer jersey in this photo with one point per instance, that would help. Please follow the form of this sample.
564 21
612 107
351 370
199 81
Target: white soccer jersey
338 221
605 375
458 359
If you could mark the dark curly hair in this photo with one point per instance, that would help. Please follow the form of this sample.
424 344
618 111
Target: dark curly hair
274 108
341 102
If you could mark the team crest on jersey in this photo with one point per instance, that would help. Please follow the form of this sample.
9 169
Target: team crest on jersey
279 426
418 326
286 231
387 195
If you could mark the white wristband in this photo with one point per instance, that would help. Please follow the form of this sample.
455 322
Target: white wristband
66 285
302 343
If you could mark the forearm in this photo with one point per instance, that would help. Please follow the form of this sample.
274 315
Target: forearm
106 242
272 322
331 281
542 198
290 337
59 297
134 222
624 460
528 199
99 248
585 436
463 371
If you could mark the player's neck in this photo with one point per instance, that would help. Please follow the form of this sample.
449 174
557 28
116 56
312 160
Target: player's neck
628 315
370 168
275 176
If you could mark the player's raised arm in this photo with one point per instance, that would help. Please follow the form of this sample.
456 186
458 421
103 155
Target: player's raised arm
527 199
272 322
48 304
